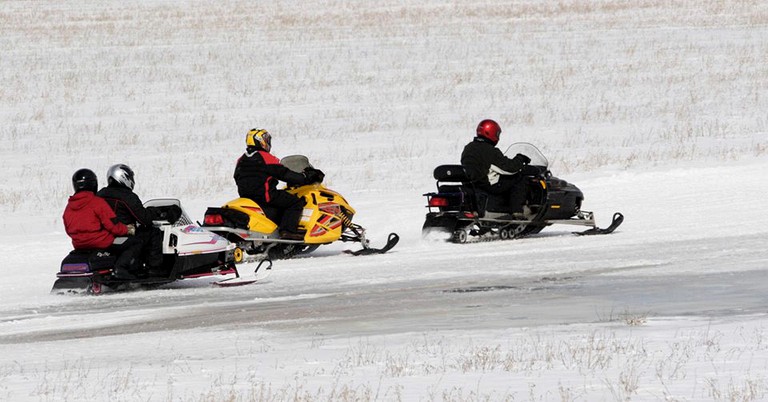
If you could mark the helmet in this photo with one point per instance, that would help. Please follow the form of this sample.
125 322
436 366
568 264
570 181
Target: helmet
489 130
121 174
259 138
85 180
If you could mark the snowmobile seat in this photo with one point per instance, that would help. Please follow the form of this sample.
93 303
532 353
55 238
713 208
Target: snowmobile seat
237 219
230 217
454 174
451 173
80 261
461 192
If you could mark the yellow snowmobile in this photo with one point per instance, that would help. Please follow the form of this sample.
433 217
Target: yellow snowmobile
327 217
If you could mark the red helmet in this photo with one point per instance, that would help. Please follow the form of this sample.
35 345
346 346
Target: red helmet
490 130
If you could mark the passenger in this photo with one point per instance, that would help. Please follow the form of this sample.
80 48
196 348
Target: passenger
257 173
130 210
92 225
481 154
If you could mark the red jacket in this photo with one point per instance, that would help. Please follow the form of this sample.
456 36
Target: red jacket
90 222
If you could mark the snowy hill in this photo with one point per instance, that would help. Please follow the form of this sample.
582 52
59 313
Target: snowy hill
653 109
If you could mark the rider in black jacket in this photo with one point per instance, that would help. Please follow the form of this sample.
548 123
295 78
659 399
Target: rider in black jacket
130 211
478 157
257 174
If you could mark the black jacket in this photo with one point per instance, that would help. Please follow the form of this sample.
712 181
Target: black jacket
480 154
258 172
127 205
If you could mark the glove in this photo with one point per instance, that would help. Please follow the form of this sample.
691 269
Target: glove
522 158
313 175
173 213
131 230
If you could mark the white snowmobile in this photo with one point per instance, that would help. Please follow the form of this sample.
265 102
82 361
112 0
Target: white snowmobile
189 251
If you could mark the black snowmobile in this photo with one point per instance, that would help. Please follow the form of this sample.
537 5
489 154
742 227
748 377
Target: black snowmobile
461 211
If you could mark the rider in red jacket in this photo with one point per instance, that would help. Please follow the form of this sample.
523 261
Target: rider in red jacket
88 221
92 224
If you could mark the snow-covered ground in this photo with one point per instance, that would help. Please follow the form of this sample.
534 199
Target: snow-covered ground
654 109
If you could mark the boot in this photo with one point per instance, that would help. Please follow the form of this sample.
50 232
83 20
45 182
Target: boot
158 272
122 273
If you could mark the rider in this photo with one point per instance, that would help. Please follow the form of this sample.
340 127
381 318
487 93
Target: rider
481 155
92 225
257 173
130 210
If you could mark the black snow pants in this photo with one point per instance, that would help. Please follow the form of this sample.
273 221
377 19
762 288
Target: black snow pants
128 250
290 207
513 187
151 246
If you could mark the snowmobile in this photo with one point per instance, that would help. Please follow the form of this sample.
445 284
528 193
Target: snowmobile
460 211
188 252
327 217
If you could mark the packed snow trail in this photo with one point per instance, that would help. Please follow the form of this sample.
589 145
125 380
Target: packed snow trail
659 279
676 254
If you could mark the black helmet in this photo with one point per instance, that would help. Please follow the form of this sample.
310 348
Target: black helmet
121 174
85 180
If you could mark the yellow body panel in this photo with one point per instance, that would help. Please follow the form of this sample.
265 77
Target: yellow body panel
326 214
258 220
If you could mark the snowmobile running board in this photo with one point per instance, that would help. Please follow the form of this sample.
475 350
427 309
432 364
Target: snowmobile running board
391 242
618 218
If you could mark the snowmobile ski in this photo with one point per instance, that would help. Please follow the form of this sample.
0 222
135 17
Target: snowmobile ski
391 242
618 218
247 280
239 281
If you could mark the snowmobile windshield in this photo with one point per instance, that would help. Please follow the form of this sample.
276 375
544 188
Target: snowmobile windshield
529 150
162 203
296 163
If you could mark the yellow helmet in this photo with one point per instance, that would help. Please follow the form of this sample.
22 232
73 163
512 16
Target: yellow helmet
259 138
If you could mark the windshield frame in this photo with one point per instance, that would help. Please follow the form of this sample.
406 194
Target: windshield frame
529 150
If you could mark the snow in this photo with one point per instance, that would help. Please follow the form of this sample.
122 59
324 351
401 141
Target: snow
655 110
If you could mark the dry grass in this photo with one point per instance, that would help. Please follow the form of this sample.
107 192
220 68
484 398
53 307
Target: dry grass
596 84
620 364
